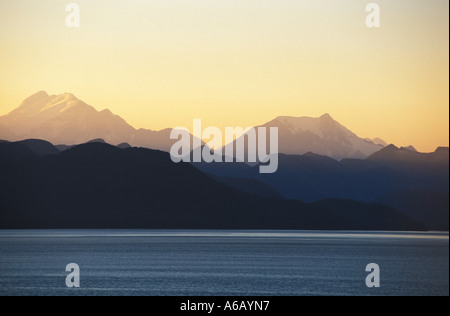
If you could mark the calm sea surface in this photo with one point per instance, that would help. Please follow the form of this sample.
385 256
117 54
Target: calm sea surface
262 263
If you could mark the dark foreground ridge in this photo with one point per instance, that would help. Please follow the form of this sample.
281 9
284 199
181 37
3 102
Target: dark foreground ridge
97 185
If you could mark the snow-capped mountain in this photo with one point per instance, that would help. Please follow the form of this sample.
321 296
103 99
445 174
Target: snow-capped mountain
322 136
64 119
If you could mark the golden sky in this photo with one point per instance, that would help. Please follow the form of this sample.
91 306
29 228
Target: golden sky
161 63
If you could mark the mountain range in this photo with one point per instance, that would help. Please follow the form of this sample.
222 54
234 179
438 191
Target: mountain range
397 177
322 136
310 177
56 159
65 120
96 185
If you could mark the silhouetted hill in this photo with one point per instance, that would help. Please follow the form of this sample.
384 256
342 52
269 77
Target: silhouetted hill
430 208
40 147
63 147
410 148
14 152
405 158
367 216
442 154
312 177
101 186
124 146
97 140
442 151
251 186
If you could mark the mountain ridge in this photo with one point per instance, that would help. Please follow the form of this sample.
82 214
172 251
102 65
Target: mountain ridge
65 120
323 136
96 185
311 177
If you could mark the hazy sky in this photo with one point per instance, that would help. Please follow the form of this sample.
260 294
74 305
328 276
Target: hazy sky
161 63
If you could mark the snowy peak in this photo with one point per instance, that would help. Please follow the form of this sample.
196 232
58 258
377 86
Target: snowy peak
323 135
60 103
327 118
43 104
61 119
32 103
64 119
323 126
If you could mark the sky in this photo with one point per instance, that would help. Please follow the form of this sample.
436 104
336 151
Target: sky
163 63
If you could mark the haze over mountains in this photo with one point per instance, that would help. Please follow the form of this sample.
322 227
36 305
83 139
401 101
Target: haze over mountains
323 136
64 119
328 177
397 177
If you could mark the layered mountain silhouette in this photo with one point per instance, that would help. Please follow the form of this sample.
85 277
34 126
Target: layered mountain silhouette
413 204
328 177
65 120
96 185
377 141
40 147
311 177
407 158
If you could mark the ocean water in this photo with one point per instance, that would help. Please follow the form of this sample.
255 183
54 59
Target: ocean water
229 263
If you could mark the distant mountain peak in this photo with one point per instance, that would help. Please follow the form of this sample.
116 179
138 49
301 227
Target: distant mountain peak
392 152
321 135
36 96
377 141
390 148
65 119
97 140
40 94
106 111
41 103
124 146
406 158
326 116
410 148
40 147
64 96
286 118
444 150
